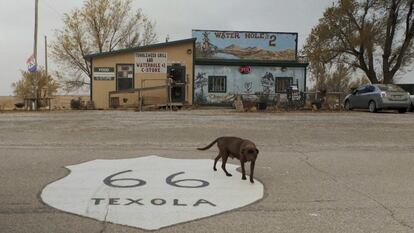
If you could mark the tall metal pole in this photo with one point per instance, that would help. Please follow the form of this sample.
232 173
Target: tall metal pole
46 94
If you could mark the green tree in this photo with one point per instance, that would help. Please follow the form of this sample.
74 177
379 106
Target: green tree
373 36
37 85
99 26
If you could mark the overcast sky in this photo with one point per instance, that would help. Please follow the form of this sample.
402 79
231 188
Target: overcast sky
175 18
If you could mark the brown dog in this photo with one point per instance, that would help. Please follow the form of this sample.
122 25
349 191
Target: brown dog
242 149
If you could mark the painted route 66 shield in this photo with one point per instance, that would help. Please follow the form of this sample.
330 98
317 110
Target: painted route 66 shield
150 192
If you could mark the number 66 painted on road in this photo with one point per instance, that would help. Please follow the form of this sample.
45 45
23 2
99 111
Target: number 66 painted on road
109 181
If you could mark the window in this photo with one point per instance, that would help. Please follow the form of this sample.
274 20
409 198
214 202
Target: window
282 84
217 84
389 87
362 90
370 89
124 77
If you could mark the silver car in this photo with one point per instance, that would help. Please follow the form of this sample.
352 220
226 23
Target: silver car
377 97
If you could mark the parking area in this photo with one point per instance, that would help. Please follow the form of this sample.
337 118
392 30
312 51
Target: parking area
321 172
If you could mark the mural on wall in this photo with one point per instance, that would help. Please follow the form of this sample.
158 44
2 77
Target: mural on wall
260 80
245 45
201 96
268 83
222 99
200 82
248 87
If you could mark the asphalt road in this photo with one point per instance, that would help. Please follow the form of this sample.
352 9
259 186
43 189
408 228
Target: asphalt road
322 172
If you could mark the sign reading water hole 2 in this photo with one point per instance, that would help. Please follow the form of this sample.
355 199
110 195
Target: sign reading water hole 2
149 192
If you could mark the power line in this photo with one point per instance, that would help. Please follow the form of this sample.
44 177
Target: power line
53 9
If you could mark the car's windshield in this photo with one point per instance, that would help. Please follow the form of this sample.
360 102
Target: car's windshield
389 87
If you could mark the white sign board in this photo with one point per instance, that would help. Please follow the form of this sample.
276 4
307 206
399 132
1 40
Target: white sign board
150 192
104 73
151 62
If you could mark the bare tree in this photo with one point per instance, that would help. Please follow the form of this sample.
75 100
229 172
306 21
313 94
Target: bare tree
374 36
99 26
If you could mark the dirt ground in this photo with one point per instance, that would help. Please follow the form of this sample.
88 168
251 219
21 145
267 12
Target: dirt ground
322 172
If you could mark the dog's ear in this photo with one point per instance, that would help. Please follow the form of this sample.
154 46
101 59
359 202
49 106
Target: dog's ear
257 151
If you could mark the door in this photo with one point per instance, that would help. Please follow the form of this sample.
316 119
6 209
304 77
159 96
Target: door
367 96
124 77
355 99
177 74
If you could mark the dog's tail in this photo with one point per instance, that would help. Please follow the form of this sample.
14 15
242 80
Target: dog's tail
209 145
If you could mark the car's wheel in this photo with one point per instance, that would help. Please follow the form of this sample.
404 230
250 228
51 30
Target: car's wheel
372 106
402 110
347 106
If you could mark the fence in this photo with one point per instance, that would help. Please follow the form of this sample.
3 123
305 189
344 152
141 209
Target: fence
332 100
157 95
305 100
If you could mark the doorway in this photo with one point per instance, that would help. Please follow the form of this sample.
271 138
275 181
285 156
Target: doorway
177 75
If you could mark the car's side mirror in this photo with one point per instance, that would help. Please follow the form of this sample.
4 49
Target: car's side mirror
354 92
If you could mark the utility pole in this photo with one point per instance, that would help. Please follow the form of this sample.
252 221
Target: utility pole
35 31
35 50
46 56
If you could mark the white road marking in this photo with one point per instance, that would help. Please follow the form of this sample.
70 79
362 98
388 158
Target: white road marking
150 192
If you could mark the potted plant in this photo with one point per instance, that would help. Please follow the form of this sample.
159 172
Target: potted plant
263 99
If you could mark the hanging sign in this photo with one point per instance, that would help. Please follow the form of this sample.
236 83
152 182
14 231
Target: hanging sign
150 192
151 62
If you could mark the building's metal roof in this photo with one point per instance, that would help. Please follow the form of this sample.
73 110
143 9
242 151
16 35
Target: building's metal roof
234 62
140 48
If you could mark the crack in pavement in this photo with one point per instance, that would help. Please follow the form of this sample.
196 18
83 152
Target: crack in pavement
391 212
313 209
104 221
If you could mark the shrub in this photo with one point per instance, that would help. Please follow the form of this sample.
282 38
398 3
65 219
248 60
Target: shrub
76 104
